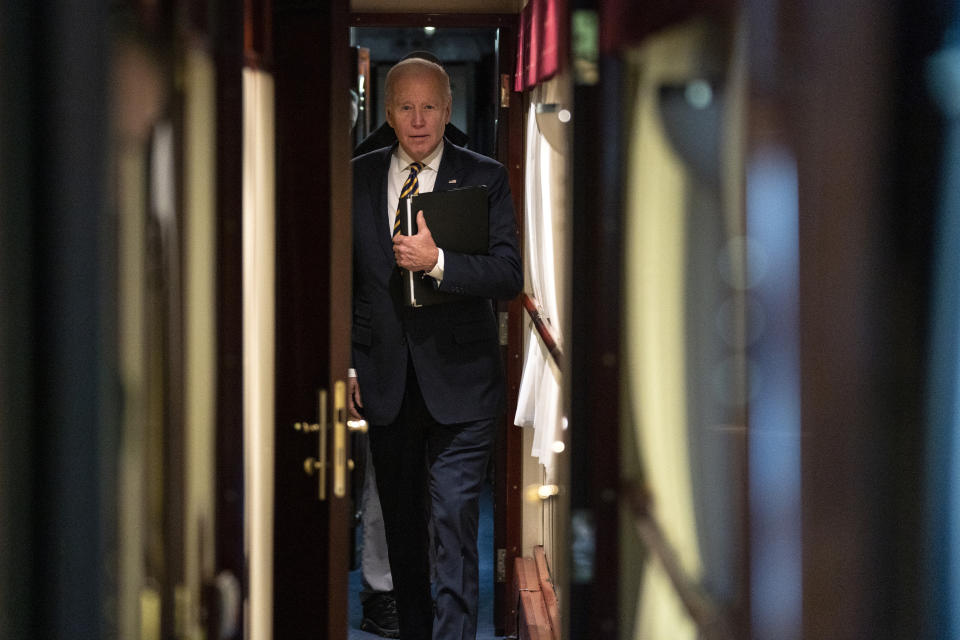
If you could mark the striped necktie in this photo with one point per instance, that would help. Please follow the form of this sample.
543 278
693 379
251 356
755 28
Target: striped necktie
410 188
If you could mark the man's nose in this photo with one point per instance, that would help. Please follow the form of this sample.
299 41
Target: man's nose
418 118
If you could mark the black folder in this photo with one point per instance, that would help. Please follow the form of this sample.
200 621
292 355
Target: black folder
459 222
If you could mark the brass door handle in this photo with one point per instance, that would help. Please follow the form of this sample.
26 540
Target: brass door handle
341 425
340 439
340 463
317 465
312 465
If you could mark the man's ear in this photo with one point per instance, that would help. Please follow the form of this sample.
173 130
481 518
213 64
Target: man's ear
389 115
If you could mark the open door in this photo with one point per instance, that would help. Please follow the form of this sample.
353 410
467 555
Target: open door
313 270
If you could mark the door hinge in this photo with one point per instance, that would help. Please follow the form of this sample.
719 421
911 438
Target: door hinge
505 84
501 565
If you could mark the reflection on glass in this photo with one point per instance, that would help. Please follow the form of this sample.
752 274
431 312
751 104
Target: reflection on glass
776 579
683 338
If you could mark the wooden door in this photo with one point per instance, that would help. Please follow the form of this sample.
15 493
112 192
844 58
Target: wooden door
311 516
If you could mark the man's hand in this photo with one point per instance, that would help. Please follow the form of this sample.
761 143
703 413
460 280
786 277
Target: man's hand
417 252
354 401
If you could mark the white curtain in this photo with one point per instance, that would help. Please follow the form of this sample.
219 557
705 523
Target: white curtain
540 399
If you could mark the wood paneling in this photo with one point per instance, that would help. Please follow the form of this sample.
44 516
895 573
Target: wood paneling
537 614
510 453
311 554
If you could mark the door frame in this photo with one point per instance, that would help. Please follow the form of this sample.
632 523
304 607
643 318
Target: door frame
229 503
507 456
313 265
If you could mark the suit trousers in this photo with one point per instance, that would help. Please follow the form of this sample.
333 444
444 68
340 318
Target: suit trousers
416 457
374 562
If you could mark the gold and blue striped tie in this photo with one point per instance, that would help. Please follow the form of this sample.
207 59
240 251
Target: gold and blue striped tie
411 187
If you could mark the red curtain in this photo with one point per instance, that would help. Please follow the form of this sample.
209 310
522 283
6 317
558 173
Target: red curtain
544 30
539 46
624 23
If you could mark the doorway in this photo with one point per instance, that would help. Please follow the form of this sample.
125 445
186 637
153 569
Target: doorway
472 56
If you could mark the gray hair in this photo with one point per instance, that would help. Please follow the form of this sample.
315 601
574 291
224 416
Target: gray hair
416 66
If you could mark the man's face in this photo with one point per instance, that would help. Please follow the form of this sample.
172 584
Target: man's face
419 112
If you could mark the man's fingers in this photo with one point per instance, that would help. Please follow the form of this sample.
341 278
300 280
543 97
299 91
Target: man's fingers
354 400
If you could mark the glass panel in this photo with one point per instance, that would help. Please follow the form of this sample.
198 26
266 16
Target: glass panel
200 335
683 401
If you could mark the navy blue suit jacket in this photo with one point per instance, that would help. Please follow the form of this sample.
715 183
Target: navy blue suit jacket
455 345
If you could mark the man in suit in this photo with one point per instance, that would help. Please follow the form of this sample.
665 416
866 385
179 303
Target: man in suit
377 597
431 377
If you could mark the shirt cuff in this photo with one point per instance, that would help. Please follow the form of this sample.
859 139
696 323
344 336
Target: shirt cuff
437 272
351 373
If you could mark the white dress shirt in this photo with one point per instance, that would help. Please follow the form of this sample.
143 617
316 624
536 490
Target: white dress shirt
399 170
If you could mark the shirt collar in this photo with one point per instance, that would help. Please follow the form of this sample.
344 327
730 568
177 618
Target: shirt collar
430 162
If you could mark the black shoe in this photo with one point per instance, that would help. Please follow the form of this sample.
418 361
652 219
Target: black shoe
380 615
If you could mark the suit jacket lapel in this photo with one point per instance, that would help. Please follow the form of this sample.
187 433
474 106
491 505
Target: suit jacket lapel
380 208
450 173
